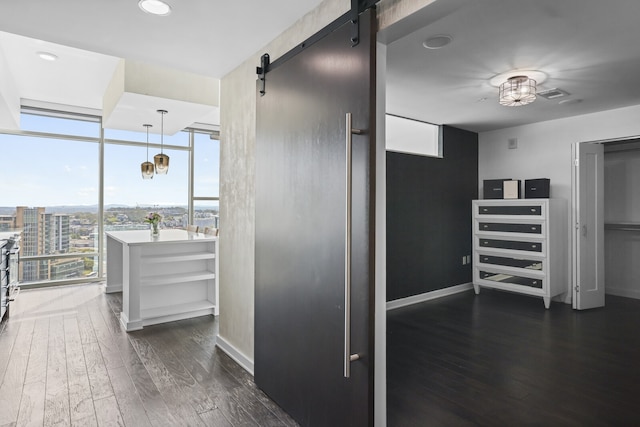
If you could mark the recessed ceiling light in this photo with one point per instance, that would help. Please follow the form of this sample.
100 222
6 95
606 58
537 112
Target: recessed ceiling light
47 56
155 7
437 42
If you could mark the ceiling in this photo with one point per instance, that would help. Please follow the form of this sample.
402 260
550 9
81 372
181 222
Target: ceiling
204 37
588 48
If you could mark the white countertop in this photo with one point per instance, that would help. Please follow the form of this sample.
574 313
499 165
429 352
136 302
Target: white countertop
172 235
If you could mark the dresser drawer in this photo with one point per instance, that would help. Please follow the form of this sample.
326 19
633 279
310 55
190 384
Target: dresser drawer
510 228
535 210
511 279
511 244
529 264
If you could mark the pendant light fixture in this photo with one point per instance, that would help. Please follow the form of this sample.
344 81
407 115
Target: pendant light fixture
161 160
147 167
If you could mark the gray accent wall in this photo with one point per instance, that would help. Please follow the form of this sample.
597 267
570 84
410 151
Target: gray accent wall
429 216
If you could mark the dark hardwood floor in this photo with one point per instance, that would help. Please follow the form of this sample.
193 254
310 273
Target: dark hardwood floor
65 361
494 360
501 359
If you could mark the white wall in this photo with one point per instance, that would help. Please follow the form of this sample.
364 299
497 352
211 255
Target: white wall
544 149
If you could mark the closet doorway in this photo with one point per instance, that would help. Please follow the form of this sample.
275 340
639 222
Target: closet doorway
606 215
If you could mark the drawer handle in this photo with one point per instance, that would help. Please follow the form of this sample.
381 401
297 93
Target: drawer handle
534 228
485 226
534 246
533 210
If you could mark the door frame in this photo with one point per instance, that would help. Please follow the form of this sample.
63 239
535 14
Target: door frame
380 244
575 209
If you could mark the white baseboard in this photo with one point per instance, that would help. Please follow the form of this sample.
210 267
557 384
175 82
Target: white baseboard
621 292
235 354
415 299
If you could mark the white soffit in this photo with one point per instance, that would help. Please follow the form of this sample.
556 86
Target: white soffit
76 78
9 97
137 90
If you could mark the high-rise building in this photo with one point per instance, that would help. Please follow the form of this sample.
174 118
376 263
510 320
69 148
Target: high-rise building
42 234
7 222
28 219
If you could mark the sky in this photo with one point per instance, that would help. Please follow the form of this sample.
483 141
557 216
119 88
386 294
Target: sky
49 172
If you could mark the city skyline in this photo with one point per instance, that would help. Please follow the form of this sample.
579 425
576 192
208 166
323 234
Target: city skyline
49 233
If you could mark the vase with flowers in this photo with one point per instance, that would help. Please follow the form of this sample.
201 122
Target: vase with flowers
154 219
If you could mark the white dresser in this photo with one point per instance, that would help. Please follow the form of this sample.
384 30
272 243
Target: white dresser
162 279
521 246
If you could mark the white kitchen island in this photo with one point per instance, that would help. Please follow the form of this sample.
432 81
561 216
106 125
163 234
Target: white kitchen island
162 279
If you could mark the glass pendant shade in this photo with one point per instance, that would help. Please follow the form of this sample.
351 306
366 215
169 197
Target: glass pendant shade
147 167
147 170
517 91
161 160
162 163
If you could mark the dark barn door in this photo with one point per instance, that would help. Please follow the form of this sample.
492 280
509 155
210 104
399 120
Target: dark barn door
301 229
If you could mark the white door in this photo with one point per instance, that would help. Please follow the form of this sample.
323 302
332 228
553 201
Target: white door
588 236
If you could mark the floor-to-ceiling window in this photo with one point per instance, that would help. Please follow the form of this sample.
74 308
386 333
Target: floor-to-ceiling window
206 183
65 182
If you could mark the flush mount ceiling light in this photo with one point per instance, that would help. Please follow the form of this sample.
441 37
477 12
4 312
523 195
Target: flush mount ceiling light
517 87
517 91
47 56
437 42
147 167
155 7
161 160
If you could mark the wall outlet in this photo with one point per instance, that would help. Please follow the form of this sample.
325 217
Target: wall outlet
512 143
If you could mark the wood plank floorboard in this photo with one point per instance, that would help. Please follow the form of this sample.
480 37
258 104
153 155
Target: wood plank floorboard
68 362
499 359
56 408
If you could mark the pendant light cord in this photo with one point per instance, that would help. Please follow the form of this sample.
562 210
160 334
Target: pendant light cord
147 126
162 113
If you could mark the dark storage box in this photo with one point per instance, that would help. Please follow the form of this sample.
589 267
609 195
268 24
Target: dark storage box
536 188
493 188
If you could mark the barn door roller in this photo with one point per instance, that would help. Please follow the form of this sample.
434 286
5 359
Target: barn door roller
355 23
353 16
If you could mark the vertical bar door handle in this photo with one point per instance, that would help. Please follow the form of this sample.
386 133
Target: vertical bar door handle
348 357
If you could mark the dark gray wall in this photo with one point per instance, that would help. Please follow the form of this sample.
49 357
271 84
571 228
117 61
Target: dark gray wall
429 216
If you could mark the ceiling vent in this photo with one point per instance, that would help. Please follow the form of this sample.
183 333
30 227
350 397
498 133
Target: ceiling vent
553 93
